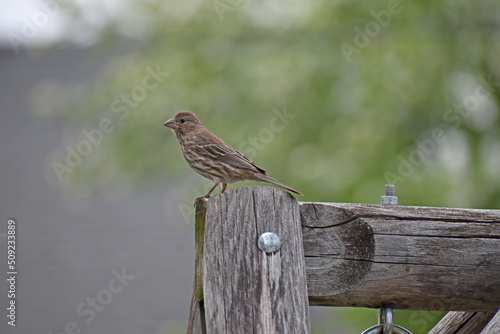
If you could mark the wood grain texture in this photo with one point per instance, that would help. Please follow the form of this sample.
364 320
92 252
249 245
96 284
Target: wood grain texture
476 323
452 322
401 256
462 322
245 289
199 235
196 321
493 327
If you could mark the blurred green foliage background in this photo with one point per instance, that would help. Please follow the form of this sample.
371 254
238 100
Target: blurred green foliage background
333 98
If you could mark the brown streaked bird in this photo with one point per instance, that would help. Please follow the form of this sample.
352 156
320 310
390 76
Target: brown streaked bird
212 158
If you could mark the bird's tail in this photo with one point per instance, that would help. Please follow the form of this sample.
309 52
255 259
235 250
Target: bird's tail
268 179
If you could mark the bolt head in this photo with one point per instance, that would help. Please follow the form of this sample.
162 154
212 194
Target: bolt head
269 242
389 200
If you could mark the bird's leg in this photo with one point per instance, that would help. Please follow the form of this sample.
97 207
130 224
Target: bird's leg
207 195
210 191
224 186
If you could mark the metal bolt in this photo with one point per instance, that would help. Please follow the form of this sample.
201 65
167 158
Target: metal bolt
389 198
389 189
386 318
386 324
269 242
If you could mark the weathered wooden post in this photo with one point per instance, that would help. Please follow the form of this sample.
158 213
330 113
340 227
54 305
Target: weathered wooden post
244 288
341 254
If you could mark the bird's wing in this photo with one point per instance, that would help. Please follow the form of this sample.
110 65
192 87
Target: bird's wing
217 149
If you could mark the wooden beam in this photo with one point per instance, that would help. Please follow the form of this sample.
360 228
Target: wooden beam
246 289
461 322
405 257
493 327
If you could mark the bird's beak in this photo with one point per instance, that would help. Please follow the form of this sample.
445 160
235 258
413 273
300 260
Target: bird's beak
171 124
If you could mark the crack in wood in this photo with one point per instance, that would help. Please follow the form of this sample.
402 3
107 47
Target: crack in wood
315 211
347 221
386 262
493 237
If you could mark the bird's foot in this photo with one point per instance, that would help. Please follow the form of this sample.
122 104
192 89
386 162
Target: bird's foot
199 199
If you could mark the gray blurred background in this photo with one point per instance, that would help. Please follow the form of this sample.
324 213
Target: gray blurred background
67 249
333 98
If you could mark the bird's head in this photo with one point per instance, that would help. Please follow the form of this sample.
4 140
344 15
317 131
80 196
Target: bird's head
184 122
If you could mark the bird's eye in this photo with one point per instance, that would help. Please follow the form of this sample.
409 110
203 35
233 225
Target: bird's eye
183 120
